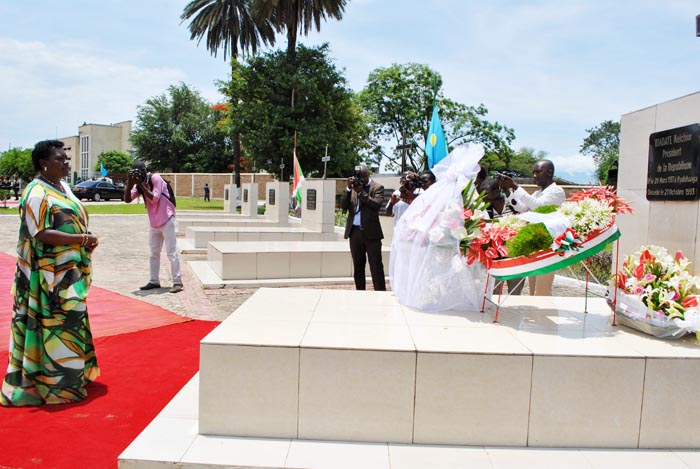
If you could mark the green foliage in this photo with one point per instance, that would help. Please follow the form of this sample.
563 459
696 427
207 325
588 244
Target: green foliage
600 265
227 25
546 209
398 101
5 195
603 144
114 161
297 16
17 162
323 114
517 163
341 219
178 131
530 239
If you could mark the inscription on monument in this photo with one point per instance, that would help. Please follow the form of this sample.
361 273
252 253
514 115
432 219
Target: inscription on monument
311 199
674 164
245 195
271 197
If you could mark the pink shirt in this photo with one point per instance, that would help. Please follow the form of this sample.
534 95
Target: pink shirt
160 209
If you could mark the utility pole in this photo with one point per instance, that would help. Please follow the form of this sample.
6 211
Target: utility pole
325 160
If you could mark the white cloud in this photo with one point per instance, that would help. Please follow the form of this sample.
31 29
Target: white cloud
50 89
576 168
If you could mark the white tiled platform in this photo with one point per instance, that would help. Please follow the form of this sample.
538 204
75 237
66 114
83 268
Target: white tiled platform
227 220
171 440
337 378
347 365
282 260
198 237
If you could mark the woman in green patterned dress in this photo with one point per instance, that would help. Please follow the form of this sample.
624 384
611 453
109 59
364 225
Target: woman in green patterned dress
52 357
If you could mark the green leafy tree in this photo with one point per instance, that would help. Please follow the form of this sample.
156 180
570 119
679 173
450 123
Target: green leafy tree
521 161
17 162
175 130
114 161
230 26
325 113
398 103
602 144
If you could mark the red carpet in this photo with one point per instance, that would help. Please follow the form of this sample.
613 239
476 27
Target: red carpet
110 313
141 372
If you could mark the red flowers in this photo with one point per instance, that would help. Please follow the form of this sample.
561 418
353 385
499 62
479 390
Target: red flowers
618 204
690 301
490 245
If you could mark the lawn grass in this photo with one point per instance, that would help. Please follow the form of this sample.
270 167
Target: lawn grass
183 203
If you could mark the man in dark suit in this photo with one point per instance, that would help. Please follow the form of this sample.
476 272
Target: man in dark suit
362 200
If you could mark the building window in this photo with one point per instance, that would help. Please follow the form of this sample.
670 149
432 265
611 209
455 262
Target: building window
84 157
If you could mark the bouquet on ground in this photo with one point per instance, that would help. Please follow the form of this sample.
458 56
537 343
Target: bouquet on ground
546 229
658 294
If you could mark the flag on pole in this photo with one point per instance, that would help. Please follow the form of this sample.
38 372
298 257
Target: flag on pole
435 144
298 175
103 171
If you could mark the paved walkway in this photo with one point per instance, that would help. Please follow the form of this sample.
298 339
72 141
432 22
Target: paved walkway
120 264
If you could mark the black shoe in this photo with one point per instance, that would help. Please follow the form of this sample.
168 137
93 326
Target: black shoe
176 288
150 286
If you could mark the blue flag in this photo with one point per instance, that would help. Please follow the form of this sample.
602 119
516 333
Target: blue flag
435 144
103 171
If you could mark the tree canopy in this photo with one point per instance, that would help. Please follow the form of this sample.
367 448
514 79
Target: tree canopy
602 144
297 16
227 25
324 114
17 162
398 101
177 131
114 161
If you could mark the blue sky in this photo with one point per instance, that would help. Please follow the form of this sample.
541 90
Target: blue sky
549 69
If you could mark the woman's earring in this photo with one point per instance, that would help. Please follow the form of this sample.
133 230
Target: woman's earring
45 168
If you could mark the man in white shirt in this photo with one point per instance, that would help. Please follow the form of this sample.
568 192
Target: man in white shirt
549 194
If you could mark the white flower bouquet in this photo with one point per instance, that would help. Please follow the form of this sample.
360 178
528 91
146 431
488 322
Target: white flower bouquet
657 294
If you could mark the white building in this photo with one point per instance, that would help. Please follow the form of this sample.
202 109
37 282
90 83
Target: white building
91 141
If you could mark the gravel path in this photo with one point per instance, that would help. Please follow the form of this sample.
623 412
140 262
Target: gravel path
120 264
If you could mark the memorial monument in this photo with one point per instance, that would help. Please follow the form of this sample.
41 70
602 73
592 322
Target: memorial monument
659 172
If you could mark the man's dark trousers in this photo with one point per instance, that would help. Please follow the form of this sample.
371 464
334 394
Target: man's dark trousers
359 246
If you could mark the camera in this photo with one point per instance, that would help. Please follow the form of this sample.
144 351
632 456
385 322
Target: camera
411 182
356 178
139 173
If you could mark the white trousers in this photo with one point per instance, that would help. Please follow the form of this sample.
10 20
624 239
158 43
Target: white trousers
158 236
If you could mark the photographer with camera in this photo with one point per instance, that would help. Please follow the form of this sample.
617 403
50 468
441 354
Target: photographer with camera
161 215
362 200
400 199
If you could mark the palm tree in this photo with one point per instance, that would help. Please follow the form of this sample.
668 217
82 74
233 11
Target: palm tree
296 16
229 25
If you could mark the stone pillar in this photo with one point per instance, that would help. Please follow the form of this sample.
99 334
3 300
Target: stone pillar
249 200
230 196
277 202
318 205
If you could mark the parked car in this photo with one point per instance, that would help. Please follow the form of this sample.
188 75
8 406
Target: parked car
97 190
